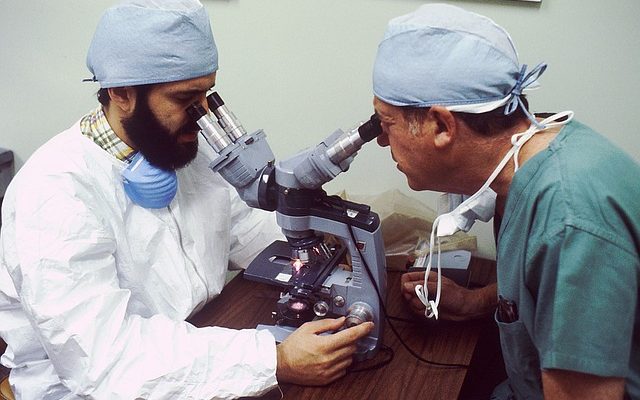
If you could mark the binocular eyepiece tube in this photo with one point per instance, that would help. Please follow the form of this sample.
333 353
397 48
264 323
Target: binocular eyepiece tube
226 118
212 132
352 141
222 131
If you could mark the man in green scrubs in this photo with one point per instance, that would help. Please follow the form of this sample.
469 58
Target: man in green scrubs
566 205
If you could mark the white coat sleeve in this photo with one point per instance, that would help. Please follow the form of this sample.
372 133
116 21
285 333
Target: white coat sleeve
64 269
252 230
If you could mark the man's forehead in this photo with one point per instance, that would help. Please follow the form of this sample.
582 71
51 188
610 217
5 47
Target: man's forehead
384 109
190 85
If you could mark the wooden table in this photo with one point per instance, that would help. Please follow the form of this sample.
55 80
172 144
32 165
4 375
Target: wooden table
244 304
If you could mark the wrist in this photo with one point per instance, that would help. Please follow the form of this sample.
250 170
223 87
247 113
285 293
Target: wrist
481 302
281 364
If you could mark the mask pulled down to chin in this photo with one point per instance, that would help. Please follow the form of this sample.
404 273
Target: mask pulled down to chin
148 185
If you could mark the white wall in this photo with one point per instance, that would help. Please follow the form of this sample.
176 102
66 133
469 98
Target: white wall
301 68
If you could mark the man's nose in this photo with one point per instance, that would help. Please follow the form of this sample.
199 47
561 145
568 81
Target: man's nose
203 101
383 140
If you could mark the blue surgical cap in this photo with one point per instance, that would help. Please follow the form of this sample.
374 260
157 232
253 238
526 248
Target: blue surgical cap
444 55
139 42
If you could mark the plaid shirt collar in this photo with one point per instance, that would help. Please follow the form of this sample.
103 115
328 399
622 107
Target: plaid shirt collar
96 127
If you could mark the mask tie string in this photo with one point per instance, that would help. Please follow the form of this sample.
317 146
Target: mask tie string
517 141
422 291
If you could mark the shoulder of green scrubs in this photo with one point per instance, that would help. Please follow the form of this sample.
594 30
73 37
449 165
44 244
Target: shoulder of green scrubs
568 256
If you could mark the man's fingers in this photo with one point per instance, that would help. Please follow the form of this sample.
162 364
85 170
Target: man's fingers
338 368
349 336
345 362
417 306
338 372
323 325
345 353
308 358
409 294
340 338
356 332
410 287
414 276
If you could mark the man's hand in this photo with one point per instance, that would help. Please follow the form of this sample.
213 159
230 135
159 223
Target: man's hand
306 358
457 303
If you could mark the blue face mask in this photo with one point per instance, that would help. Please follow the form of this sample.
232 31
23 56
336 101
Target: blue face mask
149 186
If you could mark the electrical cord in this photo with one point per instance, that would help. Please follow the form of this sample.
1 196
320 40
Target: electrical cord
383 348
405 320
384 309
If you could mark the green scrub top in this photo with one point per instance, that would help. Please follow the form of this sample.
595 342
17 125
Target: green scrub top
568 256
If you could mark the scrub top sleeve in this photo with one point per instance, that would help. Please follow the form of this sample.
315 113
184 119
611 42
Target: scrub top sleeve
585 308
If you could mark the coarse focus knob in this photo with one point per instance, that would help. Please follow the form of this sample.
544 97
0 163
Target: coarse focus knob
358 313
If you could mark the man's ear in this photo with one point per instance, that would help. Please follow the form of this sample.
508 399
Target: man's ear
446 127
124 98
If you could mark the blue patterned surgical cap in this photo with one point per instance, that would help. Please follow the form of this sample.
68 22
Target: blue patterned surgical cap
139 42
444 55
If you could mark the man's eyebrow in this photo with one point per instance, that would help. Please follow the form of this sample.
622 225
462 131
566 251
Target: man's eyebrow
190 91
383 117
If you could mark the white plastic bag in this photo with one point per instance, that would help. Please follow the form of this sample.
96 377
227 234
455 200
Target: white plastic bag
404 221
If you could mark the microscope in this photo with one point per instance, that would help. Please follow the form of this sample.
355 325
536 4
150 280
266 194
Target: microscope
332 263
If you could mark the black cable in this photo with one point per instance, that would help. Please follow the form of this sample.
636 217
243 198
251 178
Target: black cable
384 309
383 348
406 320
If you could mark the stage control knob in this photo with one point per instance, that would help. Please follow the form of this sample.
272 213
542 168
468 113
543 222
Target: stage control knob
358 313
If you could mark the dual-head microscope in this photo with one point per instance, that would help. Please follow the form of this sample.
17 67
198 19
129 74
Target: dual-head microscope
332 263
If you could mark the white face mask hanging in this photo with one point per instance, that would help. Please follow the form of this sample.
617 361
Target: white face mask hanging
480 206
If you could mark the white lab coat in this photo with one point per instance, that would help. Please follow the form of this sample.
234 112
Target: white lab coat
94 290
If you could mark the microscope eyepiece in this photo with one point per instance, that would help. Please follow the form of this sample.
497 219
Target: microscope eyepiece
196 111
350 142
210 129
370 129
215 101
226 118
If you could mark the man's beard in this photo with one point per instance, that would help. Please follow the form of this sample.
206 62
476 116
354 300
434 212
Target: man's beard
158 145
